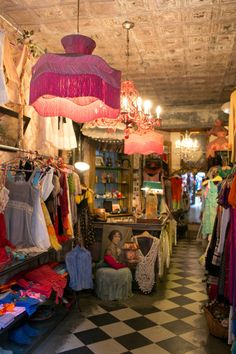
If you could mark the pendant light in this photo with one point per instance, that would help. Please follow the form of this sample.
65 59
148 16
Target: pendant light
77 84
145 144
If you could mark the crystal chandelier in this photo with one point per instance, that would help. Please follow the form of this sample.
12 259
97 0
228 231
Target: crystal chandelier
186 147
135 114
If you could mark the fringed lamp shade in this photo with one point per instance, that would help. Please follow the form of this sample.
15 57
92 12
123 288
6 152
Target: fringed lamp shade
77 84
104 129
145 144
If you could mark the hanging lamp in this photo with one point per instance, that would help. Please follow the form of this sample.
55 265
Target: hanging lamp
77 84
149 143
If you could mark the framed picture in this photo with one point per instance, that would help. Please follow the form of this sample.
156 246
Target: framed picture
109 230
99 161
9 126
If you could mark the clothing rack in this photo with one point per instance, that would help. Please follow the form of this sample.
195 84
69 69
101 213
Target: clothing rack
12 149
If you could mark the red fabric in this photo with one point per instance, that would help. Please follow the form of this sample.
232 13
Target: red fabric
213 292
46 280
3 233
176 188
112 262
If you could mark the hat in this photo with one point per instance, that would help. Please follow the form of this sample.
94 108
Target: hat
217 179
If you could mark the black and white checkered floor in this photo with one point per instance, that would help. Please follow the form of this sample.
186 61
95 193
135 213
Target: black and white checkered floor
169 320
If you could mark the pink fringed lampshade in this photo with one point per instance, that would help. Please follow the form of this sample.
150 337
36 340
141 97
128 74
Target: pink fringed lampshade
77 84
145 144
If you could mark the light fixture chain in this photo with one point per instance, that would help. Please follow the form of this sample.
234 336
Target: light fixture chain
78 10
127 53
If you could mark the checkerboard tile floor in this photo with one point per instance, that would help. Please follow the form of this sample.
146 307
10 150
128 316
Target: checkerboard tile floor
167 321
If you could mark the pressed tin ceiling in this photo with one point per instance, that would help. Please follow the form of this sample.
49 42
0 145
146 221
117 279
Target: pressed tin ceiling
183 52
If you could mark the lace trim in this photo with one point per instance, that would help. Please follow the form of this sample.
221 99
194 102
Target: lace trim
4 192
20 206
145 270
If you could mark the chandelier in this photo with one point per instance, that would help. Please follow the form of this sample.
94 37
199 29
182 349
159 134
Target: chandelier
135 115
186 147
77 84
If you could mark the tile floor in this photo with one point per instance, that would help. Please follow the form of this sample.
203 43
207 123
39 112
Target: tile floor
168 321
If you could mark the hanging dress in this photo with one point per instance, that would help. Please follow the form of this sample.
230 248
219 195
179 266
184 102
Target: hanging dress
145 270
19 211
3 88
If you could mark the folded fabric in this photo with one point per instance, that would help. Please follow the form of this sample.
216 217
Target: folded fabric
46 280
29 304
18 336
4 308
18 310
30 331
8 299
112 262
5 320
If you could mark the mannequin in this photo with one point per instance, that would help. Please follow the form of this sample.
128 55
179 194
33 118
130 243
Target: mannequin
221 142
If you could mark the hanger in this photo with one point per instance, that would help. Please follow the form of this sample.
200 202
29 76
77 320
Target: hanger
145 234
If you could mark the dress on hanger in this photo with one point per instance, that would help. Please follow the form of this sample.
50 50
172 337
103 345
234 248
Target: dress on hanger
57 132
19 211
145 270
3 88
4 257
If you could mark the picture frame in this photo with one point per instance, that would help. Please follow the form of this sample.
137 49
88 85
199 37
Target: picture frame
9 126
107 229
99 161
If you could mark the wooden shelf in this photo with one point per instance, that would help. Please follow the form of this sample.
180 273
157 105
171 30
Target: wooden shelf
112 183
112 168
111 198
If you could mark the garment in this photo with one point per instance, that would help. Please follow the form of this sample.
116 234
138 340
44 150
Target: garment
19 211
145 270
210 209
168 193
45 281
232 125
79 266
57 132
176 191
86 223
12 77
232 193
51 230
3 88
46 184
39 229
232 260
151 206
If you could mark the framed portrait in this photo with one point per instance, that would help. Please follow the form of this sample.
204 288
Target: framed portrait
125 235
99 161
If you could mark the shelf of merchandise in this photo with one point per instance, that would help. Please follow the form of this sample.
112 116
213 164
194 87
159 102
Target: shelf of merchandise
110 179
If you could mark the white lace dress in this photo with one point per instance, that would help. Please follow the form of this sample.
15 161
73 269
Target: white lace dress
145 270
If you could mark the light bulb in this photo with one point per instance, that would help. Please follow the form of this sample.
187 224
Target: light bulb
125 104
147 106
139 104
158 111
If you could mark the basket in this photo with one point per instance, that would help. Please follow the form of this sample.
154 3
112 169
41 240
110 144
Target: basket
214 326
